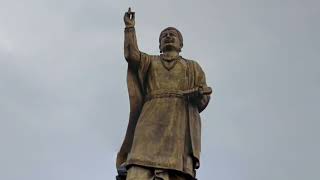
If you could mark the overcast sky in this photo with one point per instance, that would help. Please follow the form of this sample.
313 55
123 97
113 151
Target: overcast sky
64 103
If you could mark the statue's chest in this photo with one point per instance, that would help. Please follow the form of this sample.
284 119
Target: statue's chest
168 76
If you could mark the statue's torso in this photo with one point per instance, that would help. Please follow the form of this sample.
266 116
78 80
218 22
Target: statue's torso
160 78
161 136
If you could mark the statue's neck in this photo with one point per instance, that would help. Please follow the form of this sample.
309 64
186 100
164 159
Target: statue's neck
170 55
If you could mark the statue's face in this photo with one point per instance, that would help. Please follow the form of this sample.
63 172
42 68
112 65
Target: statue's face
169 41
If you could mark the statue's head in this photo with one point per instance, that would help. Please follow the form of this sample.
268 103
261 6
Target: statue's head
170 39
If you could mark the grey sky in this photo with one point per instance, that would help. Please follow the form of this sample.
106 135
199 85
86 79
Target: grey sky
64 105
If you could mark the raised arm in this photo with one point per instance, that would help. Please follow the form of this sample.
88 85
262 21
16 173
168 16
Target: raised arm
131 50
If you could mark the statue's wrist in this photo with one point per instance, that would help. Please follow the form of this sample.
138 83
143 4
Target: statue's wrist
129 29
130 26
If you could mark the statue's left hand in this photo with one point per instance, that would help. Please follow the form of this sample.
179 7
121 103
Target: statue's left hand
198 92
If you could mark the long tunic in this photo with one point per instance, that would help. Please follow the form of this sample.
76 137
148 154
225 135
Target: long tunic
161 137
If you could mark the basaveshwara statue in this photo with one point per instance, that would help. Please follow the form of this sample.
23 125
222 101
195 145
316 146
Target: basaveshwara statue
167 92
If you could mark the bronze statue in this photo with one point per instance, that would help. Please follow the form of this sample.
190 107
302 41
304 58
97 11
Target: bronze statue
167 92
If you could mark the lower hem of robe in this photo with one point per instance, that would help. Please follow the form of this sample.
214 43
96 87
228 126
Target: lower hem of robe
156 165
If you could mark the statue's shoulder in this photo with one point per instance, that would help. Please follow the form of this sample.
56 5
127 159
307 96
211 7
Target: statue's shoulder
193 64
147 60
190 61
148 57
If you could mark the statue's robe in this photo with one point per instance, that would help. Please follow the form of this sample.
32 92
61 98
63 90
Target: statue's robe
163 131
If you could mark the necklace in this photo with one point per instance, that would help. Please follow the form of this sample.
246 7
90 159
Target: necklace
169 63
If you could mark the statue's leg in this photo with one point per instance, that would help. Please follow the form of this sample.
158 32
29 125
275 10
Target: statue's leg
139 173
163 174
145 173
175 175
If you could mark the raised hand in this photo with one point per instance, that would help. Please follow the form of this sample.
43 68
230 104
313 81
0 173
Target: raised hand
129 18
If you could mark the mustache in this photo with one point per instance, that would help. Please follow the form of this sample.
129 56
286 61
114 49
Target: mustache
169 40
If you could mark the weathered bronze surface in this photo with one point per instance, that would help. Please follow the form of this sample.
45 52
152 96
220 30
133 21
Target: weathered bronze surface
167 92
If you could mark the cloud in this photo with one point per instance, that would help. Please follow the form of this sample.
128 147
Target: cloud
64 105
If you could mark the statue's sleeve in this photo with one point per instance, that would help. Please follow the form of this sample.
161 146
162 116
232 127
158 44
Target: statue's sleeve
200 78
131 49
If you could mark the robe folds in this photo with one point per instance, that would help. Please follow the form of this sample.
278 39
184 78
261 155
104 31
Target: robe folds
163 132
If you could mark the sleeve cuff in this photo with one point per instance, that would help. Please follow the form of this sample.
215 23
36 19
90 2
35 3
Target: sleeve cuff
129 29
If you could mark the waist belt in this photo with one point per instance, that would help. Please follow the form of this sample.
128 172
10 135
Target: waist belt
178 93
165 94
